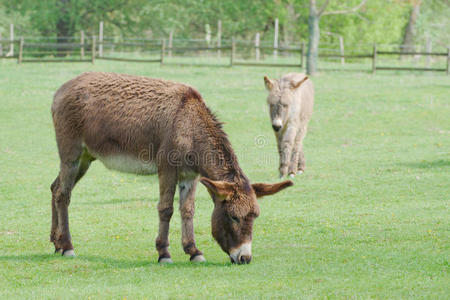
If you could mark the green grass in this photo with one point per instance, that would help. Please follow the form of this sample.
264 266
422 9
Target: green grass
368 219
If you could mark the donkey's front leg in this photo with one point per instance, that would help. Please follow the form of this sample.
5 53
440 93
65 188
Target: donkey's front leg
286 145
301 155
187 210
167 186
297 154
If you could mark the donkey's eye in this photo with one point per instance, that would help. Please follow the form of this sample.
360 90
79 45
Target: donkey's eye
234 219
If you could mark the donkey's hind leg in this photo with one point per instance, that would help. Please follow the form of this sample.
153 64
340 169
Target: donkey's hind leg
83 165
72 168
61 190
85 162
53 188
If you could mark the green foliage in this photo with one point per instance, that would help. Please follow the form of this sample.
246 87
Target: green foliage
46 16
434 22
368 220
188 18
380 21
21 22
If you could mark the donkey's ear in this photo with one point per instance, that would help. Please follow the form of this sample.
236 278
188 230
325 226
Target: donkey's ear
296 84
220 188
268 83
265 189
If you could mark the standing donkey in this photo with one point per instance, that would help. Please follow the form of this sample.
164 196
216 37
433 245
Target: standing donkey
145 126
291 100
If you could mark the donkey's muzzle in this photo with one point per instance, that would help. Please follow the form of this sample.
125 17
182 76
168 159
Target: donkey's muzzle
242 260
276 127
242 255
245 259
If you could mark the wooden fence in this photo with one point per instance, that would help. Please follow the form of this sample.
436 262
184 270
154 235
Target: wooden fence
7 48
86 50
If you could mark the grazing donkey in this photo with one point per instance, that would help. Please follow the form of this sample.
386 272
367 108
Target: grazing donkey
144 126
291 100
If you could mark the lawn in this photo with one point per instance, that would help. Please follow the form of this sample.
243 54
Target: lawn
368 219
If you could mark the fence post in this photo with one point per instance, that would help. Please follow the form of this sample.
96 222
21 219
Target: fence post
219 37
374 58
163 49
275 40
100 40
428 49
257 54
19 59
341 49
233 48
302 54
93 49
82 44
170 43
208 35
448 60
11 38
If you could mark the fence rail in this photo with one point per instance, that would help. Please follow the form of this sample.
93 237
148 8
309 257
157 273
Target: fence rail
412 69
412 53
129 59
87 50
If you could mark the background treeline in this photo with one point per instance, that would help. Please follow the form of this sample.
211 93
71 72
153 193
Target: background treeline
381 21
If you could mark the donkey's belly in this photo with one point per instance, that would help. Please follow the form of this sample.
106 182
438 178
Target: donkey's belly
127 164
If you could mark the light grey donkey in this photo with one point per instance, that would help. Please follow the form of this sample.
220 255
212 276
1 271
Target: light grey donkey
291 100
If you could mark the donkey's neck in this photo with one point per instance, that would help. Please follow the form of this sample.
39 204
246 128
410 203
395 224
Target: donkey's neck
218 160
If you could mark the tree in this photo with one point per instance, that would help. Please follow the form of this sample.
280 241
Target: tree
64 26
433 23
408 38
63 18
314 30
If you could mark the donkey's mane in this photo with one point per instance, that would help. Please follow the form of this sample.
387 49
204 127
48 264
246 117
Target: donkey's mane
214 128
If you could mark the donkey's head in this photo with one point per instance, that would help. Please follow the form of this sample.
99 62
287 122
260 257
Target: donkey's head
281 96
235 209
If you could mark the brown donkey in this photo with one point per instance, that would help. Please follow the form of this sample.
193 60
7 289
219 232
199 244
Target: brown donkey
145 126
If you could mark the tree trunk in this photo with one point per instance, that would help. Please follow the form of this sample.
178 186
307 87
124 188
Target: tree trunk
313 43
289 24
408 38
64 28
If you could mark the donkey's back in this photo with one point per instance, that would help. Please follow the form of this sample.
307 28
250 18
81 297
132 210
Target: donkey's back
112 114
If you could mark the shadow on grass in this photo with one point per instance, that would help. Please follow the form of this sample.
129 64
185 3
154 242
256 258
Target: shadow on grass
441 163
430 86
109 262
118 201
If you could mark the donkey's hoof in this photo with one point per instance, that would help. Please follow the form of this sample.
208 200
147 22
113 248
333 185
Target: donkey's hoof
68 253
198 259
291 175
58 251
165 260
300 172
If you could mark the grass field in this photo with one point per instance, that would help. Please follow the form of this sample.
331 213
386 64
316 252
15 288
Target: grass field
368 219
